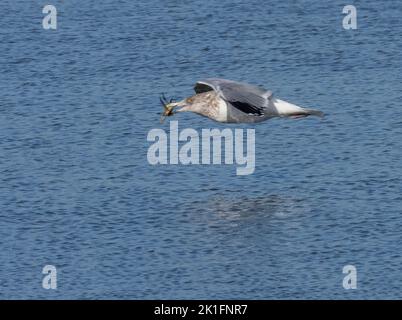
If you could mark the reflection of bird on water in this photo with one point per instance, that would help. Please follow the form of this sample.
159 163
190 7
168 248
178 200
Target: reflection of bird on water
234 102
259 207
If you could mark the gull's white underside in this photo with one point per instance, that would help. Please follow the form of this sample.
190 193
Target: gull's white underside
285 108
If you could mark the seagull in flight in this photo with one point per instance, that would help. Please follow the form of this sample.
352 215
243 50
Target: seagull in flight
229 101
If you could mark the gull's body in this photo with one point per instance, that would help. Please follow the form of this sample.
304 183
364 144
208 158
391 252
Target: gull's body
234 102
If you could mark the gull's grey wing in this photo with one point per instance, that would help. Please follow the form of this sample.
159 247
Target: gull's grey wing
244 97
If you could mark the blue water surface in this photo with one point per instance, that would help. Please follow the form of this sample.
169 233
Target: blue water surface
77 191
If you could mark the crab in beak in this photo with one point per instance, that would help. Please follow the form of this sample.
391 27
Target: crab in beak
167 107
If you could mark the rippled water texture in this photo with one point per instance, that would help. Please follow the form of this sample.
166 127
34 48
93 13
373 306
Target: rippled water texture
77 192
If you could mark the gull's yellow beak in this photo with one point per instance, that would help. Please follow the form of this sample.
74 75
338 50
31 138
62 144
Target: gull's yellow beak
169 109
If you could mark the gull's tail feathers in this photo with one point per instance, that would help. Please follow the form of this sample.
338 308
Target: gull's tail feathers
314 112
287 109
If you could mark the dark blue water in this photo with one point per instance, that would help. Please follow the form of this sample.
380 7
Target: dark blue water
77 192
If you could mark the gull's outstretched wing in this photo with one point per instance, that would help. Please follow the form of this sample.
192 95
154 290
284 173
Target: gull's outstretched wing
244 97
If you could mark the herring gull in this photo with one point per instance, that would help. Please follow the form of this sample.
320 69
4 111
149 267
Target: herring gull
235 102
